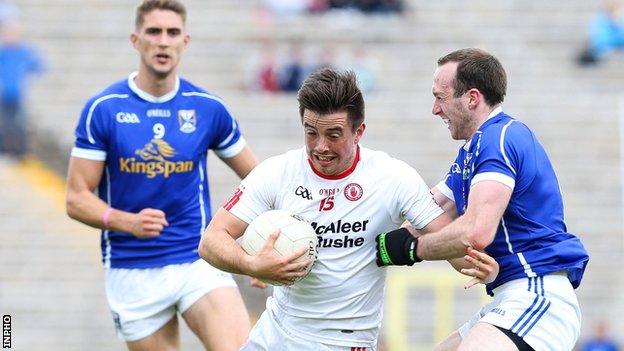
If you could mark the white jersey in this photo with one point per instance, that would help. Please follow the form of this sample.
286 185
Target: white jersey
340 301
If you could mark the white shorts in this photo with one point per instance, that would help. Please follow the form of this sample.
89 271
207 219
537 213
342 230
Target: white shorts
144 300
543 311
269 335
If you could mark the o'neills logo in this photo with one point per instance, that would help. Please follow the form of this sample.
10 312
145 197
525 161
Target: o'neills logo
154 157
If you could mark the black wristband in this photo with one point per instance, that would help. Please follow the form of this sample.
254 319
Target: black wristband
397 247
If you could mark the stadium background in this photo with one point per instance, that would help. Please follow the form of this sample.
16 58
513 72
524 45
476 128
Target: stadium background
50 273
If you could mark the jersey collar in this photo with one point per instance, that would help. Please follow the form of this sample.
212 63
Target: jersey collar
149 97
341 175
492 114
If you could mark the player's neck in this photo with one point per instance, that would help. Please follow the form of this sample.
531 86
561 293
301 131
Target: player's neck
153 85
484 113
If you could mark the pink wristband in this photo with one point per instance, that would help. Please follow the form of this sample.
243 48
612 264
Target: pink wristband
105 216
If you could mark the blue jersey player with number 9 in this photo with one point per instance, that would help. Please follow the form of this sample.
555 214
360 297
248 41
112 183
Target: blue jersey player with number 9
142 143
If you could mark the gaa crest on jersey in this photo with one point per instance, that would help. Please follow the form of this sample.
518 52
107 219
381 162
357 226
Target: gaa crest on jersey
353 191
187 120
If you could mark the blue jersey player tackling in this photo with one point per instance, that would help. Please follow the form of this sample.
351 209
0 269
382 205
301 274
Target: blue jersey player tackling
142 143
506 199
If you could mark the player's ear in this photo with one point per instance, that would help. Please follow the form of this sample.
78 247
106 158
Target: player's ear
133 39
359 132
474 96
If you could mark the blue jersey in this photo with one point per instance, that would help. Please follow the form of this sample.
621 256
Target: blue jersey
155 151
531 239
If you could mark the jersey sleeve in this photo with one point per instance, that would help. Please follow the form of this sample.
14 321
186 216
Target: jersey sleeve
228 140
500 154
92 132
257 192
414 199
445 186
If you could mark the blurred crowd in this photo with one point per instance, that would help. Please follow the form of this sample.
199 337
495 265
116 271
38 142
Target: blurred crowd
297 7
284 70
18 60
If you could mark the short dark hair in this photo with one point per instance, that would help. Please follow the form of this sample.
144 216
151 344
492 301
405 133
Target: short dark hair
328 91
478 69
148 6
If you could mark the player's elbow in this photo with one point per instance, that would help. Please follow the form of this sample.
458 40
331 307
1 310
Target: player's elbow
479 239
203 248
72 205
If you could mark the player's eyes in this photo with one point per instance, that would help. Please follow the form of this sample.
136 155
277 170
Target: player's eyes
152 31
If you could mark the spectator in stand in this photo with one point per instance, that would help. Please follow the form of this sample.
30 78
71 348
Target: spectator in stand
340 4
369 6
18 60
293 72
379 6
601 340
606 34
266 75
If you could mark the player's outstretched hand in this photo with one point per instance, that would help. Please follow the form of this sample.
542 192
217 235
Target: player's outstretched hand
397 247
148 223
269 265
485 268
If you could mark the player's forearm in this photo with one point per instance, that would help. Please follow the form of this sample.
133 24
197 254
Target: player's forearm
447 244
219 249
474 229
86 207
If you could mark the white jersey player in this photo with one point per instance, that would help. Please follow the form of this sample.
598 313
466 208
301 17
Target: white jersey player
349 194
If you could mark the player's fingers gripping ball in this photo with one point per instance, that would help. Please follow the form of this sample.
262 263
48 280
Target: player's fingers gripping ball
397 247
295 233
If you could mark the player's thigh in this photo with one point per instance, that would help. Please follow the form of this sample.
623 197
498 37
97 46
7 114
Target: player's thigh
166 338
140 301
219 319
211 305
450 343
486 337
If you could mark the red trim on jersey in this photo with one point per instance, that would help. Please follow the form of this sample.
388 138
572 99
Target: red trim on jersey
353 348
341 175
233 200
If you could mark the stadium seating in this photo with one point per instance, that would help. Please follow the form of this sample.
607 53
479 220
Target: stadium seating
577 113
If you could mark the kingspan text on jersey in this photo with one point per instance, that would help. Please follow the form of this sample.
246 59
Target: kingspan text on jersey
152 169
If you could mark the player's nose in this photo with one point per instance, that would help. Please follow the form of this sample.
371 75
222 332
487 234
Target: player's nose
322 145
436 109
